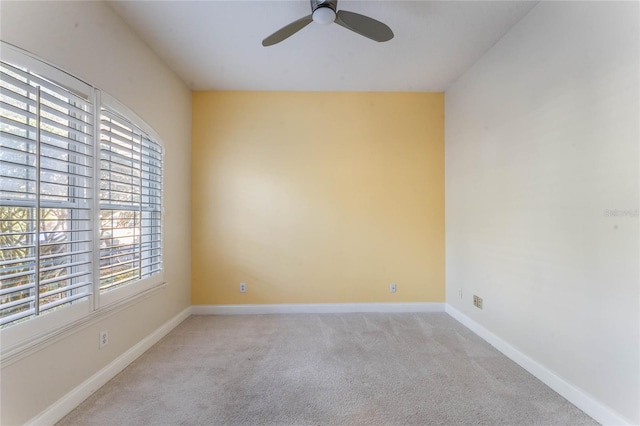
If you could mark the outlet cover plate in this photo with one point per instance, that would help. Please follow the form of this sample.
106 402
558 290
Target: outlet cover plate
103 339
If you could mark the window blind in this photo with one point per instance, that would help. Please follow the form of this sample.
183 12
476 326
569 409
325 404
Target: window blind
46 175
130 202
80 198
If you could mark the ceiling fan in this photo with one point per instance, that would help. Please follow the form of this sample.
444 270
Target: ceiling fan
325 12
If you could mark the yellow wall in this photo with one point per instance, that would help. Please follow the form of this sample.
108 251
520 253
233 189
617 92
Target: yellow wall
317 197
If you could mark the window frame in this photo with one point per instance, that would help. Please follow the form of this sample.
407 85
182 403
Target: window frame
115 295
22 338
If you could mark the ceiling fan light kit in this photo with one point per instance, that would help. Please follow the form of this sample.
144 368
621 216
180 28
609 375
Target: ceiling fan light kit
323 15
325 12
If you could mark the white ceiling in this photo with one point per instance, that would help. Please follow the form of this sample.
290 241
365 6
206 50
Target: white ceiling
216 45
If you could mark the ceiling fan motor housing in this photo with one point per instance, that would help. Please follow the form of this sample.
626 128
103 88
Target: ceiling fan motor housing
323 11
315 4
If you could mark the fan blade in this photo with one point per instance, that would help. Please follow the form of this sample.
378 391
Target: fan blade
363 25
287 31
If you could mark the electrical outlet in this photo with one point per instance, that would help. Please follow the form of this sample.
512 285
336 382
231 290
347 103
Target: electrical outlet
477 301
104 339
460 291
392 287
243 288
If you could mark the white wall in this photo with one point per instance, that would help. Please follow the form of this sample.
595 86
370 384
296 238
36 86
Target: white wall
541 140
89 40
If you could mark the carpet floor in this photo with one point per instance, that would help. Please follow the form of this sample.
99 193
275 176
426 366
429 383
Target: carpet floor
328 369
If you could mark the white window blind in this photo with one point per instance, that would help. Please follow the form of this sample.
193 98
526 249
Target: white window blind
130 202
80 199
46 174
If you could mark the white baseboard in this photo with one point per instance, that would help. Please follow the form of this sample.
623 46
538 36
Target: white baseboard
67 403
315 308
599 412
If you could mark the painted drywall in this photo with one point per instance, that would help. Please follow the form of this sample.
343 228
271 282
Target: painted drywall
317 197
542 195
89 40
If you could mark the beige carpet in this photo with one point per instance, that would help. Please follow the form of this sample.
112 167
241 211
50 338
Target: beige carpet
330 369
